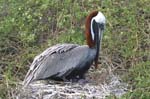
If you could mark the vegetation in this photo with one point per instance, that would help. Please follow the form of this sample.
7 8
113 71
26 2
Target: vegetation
27 27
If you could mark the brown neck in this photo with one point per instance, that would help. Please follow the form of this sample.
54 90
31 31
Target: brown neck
88 35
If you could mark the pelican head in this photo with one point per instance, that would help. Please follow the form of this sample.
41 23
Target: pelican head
95 25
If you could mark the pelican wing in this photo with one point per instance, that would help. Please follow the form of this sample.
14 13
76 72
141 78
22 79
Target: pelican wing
57 60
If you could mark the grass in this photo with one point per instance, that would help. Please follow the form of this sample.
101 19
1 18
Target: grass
29 27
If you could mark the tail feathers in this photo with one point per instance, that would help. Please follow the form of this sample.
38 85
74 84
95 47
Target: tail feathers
27 80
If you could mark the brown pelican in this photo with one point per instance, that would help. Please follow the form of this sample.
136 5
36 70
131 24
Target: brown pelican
69 61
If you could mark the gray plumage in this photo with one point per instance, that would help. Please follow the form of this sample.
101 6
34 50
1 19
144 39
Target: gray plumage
60 61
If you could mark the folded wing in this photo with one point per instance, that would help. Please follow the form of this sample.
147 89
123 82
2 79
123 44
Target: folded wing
57 60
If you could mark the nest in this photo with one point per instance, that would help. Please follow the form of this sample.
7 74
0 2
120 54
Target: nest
103 86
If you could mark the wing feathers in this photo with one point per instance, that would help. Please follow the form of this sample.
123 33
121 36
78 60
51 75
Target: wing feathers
59 60
42 60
